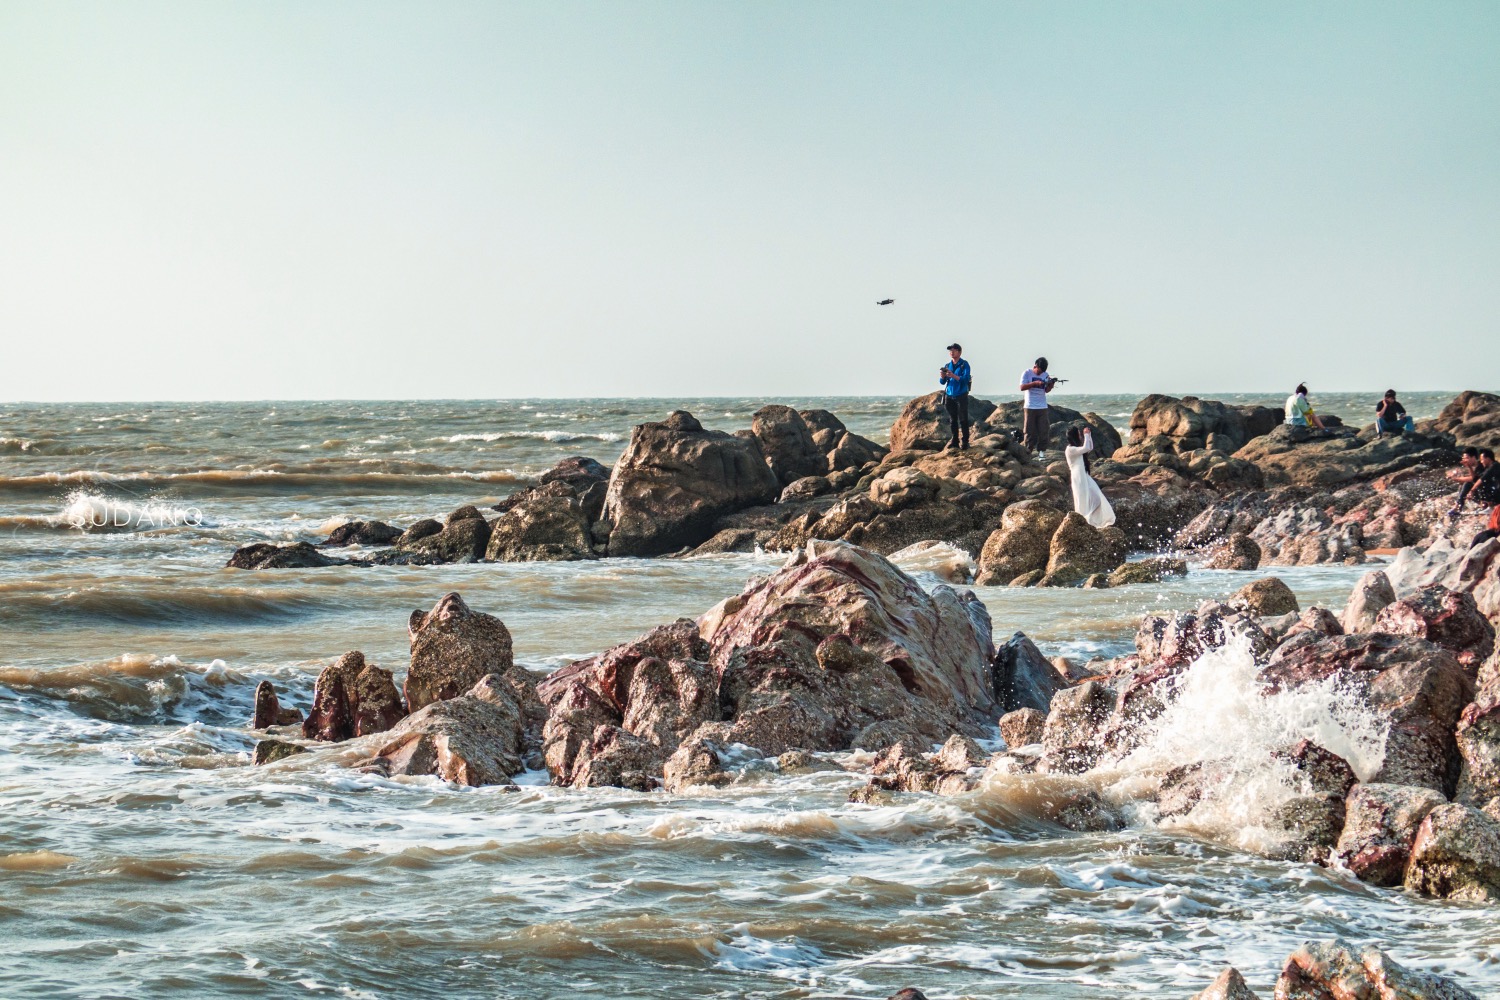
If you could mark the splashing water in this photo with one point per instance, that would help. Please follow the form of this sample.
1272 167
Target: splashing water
1221 712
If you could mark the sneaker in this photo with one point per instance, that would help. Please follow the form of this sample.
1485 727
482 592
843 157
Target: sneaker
1041 456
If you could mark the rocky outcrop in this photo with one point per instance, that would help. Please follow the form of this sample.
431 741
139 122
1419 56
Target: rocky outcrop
551 523
1023 727
1229 986
1238 551
1191 424
1022 544
481 737
1078 550
787 443
269 711
1023 677
1419 687
362 533
923 423
844 450
1302 456
675 479
1444 617
1176 639
1153 570
352 698
296 555
1456 855
452 648
1071 741
1332 970
1473 419
628 709
463 539
1478 737
270 751
1380 826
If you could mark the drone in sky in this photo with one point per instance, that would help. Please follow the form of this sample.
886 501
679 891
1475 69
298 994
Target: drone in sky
885 302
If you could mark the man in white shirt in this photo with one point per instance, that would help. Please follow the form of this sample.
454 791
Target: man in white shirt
1036 383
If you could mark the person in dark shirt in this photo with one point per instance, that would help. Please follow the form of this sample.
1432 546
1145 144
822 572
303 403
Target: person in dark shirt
1391 417
1467 474
1486 492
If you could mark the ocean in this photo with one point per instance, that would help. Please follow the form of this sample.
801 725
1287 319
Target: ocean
143 857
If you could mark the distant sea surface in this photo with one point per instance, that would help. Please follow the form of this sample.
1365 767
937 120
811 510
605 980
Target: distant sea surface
142 857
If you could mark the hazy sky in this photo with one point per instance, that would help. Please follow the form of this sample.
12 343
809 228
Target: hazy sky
292 200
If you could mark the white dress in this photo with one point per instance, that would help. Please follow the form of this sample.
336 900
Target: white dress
1088 499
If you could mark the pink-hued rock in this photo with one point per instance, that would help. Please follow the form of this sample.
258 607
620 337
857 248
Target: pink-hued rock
352 698
1478 736
452 648
1448 618
479 738
1421 688
1331 970
1380 826
1229 986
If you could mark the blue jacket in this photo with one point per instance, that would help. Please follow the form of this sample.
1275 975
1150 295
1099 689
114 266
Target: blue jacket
958 380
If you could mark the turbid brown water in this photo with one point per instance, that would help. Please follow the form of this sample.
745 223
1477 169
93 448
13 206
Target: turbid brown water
142 857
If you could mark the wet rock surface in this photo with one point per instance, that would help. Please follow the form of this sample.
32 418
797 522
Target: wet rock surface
1380 826
352 698
452 648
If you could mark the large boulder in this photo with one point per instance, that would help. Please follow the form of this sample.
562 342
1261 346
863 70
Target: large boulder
1450 619
362 533
629 708
841 649
1478 736
787 443
1071 736
1473 418
452 648
550 523
1079 550
463 539
480 737
1229 986
1023 677
923 423
843 449
1456 855
1380 826
1371 594
352 698
269 711
1419 688
1302 456
675 479
1267 596
1331 970
1022 544
1192 424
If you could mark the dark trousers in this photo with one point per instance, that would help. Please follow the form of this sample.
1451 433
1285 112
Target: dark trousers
958 418
1483 537
1034 430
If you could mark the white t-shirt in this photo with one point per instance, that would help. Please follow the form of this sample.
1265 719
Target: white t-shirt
1036 399
1297 409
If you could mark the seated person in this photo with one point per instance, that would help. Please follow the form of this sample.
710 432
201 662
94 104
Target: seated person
1299 412
1391 417
1486 492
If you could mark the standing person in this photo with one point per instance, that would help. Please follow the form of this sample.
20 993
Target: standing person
1299 412
1391 417
1036 383
1088 498
956 380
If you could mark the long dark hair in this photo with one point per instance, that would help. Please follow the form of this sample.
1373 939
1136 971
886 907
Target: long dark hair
1075 438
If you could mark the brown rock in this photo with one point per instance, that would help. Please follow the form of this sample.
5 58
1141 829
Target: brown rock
787 443
1078 549
675 479
1152 570
297 555
1456 855
1478 738
551 523
352 698
268 710
1072 736
1023 677
1266 596
1022 543
1380 826
477 738
270 751
1022 728
1229 986
695 763
452 649
462 540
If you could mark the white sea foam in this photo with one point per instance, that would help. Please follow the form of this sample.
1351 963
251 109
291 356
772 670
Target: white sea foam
556 437
1221 712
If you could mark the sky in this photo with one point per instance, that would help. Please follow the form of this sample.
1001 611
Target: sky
205 200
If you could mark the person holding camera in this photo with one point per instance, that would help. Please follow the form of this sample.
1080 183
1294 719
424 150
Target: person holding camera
1391 417
1036 383
956 380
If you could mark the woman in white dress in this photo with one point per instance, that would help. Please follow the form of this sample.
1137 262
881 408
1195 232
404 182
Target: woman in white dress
1088 499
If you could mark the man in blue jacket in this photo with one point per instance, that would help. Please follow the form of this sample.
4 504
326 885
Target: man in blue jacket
956 381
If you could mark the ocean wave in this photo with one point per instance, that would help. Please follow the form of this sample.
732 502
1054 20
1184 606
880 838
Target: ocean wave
157 604
556 437
261 481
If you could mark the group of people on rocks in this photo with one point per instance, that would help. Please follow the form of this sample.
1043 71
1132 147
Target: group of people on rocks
1479 476
957 379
